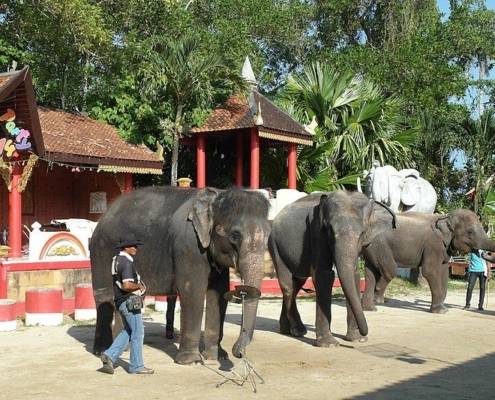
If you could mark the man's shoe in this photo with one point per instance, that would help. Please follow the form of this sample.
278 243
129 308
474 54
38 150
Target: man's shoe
145 371
107 364
481 308
466 307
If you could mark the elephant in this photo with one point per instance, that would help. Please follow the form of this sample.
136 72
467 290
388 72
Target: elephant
402 190
426 241
191 237
308 237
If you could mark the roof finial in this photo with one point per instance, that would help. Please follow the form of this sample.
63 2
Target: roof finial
247 72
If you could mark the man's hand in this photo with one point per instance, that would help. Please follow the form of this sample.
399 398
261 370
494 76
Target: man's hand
130 286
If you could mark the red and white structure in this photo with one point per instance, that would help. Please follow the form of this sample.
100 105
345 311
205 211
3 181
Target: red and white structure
8 320
249 124
44 307
84 304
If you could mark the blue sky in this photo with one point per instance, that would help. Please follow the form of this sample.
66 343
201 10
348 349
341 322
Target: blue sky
443 5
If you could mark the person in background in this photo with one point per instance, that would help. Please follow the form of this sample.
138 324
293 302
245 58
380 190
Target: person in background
128 290
478 270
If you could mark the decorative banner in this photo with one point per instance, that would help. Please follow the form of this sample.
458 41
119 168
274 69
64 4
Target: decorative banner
19 138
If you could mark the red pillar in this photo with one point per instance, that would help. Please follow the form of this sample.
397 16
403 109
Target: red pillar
15 214
3 282
291 164
200 161
255 159
128 185
239 164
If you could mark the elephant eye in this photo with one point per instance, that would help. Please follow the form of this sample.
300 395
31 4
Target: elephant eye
235 235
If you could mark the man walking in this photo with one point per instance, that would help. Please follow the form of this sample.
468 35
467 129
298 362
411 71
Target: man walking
128 290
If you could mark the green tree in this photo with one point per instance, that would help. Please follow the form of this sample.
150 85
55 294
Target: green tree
479 142
182 70
357 124
66 42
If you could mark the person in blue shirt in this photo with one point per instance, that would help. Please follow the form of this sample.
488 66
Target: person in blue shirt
478 270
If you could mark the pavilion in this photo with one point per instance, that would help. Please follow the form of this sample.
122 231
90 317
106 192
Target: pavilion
253 121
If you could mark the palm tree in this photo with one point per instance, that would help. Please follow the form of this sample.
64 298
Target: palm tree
357 124
183 72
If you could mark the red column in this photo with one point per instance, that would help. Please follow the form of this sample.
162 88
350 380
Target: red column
255 159
128 185
200 161
3 282
291 164
15 214
239 163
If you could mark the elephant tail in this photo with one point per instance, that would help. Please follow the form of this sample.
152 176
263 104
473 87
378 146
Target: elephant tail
101 261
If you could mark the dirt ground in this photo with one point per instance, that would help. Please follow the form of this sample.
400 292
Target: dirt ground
410 354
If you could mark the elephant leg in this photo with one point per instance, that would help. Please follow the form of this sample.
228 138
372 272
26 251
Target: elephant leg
216 305
290 322
372 276
290 319
353 334
170 316
437 277
192 291
104 317
323 280
389 272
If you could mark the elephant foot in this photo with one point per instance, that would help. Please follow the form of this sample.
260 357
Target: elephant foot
327 341
215 353
439 309
298 331
355 336
284 327
369 307
188 357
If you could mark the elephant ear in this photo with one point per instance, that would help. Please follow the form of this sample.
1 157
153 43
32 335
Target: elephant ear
411 192
378 219
201 215
444 226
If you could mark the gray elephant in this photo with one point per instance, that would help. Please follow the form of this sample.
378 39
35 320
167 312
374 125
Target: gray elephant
308 237
191 237
426 240
402 190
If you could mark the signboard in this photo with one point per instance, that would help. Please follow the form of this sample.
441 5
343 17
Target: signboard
97 202
16 139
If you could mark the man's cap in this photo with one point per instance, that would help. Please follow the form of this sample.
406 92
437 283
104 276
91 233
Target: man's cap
128 241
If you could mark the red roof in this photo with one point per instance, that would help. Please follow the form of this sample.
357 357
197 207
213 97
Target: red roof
81 137
241 112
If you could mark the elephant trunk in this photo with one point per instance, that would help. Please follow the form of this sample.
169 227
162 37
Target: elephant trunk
252 274
488 245
346 264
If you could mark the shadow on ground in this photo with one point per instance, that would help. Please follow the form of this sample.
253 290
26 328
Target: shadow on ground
469 380
424 305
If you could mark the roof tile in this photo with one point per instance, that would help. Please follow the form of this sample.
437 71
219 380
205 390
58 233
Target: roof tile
82 136
236 114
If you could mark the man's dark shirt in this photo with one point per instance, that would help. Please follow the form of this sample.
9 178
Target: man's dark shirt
125 272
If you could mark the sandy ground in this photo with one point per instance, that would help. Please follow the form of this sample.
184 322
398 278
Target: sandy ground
410 354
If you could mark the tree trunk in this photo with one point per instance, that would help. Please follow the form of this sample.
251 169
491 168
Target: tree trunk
175 146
